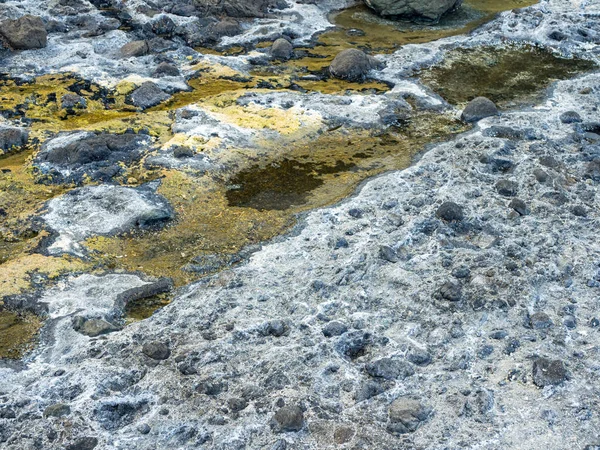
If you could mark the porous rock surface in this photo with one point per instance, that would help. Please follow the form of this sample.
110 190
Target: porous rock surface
460 313
425 9
478 371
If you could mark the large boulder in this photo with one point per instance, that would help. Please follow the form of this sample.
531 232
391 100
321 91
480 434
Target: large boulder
352 65
25 33
422 9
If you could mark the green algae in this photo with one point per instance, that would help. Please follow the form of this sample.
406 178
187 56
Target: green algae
508 76
145 307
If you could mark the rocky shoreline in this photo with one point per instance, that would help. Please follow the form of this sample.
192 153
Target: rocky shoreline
449 305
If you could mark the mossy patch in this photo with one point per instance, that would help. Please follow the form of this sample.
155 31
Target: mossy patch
17 334
508 76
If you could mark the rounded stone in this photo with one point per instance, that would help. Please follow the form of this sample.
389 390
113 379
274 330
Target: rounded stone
450 212
479 108
282 49
288 418
351 65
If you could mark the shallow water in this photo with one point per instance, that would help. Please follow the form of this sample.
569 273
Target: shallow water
508 76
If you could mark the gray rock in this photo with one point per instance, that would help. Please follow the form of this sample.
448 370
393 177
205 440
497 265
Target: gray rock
134 49
83 443
282 49
389 369
450 212
12 138
25 33
387 253
570 117
288 418
147 96
406 415
479 108
425 9
451 291
547 372
352 65
507 188
164 69
93 327
57 410
519 206
156 350
540 321
334 328
72 101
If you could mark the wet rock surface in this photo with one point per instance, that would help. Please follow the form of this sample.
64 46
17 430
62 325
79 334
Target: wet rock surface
452 304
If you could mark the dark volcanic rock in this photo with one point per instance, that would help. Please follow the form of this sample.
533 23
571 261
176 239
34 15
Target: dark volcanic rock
450 212
424 9
147 95
288 418
548 372
83 443
389 369
69 156
570 117
25 33
406 415
156 350
479 108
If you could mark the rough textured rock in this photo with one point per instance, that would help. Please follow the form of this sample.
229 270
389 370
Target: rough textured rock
479 108
135 49
424 9
352 64
148 95
67 157
282 49
102 210
12 138
25 33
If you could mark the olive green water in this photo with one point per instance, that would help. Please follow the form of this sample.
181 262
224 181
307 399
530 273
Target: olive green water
261 192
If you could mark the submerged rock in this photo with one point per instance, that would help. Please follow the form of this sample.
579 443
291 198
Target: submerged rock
25 33
424 9
406 415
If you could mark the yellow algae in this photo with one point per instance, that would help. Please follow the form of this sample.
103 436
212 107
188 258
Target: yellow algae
17 273
17 333
215 217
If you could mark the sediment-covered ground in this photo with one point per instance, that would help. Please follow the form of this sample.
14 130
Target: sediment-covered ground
241 251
